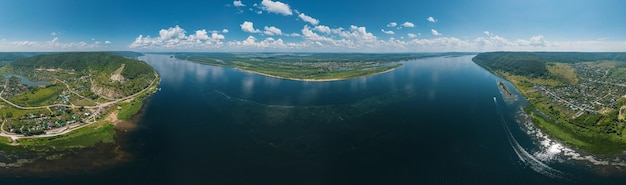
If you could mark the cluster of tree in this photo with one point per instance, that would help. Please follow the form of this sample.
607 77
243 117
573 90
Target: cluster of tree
12 56
86 62
514 63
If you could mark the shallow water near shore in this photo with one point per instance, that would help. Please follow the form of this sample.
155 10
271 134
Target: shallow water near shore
438 120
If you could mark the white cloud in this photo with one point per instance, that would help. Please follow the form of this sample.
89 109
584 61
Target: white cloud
408 24
53 33
435 32
387 32
431 19
392 24
107 42
276 7
238 3
272 31
225 30
308 34
323 38
323 29
176 38
358 33
308 19
268 43
248 26
52 45
495 42
217 36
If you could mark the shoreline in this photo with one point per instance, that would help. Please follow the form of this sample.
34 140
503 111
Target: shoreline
313 80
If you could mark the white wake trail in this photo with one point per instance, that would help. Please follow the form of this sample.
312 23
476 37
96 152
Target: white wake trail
527 158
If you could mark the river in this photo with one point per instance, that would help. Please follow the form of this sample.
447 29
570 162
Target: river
432 121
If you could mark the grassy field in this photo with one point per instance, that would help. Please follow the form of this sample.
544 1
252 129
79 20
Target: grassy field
285 70
39 97
522 79
101 132
563 71
129 109
556 131
7 111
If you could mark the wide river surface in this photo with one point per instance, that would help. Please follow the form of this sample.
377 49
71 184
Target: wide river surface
432 121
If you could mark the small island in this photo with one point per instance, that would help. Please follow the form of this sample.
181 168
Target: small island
576 98
76 101
316 67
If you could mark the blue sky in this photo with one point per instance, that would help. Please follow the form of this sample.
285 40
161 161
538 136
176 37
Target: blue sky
312 26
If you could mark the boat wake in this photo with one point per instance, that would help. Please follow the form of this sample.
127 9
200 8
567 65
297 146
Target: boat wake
535 162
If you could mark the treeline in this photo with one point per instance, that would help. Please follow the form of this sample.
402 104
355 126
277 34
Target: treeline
12 56
84 62
510 62
534 63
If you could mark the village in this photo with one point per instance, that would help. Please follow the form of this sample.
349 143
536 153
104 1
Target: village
51 108
597 91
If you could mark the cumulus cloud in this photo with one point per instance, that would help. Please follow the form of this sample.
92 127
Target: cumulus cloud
389 32
276 7
53 45
238 3
408 24
431 19
107 42
495 42
248 26
176 38
267 43
272 31
323 29
435 32
225 31
324 38
392 24
308 19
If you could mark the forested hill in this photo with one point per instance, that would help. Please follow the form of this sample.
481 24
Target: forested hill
534 63
86 62
12 56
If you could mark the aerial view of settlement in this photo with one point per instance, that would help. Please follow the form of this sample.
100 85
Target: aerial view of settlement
70 91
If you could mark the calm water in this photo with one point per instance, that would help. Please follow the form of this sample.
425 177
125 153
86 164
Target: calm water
432 121
25 80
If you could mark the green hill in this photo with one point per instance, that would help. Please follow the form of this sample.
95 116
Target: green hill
98 67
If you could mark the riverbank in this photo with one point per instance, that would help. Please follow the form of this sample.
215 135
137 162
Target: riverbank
594 145
315 80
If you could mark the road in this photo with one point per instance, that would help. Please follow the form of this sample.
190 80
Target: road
69 129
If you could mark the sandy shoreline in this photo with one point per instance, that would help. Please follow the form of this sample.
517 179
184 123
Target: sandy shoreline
313 80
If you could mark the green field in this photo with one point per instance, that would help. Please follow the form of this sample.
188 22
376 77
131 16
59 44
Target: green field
563 71
129 109
39 97
101 132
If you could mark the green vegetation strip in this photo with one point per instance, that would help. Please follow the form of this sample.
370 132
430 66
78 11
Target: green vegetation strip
129 109
101 132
